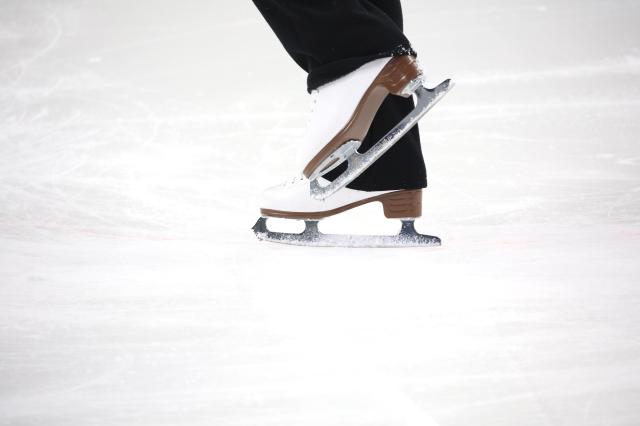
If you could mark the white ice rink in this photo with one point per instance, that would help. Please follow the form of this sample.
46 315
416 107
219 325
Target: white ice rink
136 137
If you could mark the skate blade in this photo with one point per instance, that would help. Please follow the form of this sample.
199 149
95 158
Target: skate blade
312 237
357 163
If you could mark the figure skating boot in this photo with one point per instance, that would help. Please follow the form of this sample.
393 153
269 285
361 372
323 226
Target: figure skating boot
342 114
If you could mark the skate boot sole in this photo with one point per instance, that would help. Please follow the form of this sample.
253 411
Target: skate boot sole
396 205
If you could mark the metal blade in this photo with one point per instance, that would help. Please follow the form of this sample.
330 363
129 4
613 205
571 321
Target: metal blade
311 236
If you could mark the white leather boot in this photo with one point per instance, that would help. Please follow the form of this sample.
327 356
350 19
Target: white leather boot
343 111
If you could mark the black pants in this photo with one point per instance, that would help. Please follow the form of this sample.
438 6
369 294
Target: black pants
331 38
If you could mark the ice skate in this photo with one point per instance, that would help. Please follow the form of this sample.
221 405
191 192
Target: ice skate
342 114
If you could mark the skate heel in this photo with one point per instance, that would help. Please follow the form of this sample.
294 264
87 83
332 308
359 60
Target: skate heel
402 204
402 76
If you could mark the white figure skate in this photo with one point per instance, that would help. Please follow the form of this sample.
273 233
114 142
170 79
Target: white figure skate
343 112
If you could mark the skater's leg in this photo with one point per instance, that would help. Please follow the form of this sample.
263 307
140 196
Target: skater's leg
332 38
319 36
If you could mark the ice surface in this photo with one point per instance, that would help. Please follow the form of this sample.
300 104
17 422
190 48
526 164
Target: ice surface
135 138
